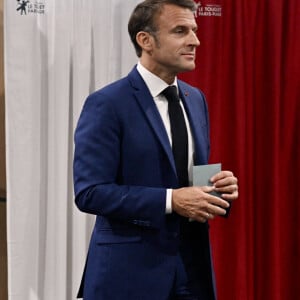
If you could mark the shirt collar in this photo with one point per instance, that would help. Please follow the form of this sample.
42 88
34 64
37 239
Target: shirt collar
155 84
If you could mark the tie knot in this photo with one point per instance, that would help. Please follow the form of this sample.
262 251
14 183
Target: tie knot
171 93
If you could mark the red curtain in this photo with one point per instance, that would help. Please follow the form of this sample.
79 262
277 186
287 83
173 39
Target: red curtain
248 65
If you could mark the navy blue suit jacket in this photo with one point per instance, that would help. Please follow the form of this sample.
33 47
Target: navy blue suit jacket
123 164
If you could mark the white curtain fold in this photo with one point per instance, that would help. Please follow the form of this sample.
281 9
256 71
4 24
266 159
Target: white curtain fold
54 58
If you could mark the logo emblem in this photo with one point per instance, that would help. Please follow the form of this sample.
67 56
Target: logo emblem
26 7
22 6
208 10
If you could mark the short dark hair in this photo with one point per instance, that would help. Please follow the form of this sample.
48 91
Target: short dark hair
143 17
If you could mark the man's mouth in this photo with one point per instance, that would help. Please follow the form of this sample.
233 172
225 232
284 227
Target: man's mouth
189 55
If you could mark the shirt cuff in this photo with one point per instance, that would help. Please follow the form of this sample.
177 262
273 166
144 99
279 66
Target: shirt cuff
169 201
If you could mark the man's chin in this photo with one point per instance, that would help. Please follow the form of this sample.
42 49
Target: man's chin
189 67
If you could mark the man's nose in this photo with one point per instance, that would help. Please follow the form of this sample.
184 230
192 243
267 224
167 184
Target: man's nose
193 39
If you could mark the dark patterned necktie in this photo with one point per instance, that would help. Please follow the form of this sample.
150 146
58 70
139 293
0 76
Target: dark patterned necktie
179 134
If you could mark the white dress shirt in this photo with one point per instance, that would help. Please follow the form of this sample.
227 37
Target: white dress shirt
156 85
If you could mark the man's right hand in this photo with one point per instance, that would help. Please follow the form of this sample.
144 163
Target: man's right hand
196 203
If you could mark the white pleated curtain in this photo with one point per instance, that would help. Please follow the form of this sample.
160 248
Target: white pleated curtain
56 53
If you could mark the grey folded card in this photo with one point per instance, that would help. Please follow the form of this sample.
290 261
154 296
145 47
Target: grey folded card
203 173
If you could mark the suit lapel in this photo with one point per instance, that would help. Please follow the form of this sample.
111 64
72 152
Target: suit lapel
147 104
196 125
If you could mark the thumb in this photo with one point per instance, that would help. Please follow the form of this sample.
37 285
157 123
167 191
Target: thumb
208 189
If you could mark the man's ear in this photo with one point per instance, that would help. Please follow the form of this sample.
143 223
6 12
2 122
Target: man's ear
145 41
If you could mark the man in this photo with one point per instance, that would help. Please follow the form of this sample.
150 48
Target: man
150 240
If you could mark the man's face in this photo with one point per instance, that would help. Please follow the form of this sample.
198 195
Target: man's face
174 48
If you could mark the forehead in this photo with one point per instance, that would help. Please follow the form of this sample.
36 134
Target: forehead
173 15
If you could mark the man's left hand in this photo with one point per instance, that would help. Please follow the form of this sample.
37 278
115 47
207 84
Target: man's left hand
226 184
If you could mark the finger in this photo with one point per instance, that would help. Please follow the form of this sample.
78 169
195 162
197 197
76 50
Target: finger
230 197
224 182
207 189
220 175
200 219
217 201
215 210
210 216
206 217
227 189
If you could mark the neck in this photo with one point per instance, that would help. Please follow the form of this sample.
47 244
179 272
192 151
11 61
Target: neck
160 72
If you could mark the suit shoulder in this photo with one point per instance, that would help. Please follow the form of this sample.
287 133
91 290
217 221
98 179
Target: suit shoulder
185 87
112 89
123 86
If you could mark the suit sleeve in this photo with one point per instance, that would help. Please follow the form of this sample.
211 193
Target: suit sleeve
96 170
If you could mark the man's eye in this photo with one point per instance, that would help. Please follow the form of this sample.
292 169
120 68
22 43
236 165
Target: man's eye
179 30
